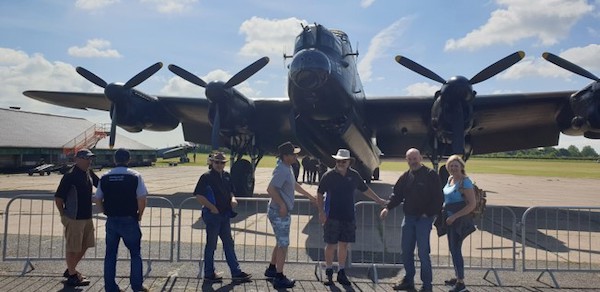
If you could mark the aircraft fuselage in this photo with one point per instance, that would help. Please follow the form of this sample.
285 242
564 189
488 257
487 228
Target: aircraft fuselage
327 99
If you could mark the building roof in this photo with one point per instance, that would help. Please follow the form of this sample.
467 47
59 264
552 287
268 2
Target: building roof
36 130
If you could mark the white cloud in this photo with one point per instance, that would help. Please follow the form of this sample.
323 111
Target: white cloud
422 89
366 3
270 37
20 71
546 20
171 6
379 46
586 57
94 48
94 4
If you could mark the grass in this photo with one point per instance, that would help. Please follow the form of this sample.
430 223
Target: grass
524 167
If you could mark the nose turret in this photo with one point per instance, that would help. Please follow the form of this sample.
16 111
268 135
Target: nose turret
310 69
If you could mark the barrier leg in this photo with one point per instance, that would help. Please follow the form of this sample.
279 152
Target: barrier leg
200 269
551 277
27 264
495 276
148 268
375 274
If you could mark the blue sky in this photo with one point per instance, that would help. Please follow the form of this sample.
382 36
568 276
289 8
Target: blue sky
42 41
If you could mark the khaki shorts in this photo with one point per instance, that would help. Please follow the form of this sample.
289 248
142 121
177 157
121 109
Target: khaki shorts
79 234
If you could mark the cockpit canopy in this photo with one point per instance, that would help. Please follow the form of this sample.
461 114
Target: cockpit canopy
317 36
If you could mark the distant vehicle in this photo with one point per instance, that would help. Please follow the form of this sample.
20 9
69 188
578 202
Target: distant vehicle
42 169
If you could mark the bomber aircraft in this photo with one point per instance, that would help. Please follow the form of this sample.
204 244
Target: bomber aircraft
327 109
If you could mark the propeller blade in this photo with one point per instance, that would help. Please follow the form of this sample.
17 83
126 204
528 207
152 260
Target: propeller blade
415 67
247 72
458 129
187 75
113 127
91 77
216 128
497 67
142 76
560 62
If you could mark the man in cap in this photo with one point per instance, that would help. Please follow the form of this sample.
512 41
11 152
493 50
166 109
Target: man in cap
121 195
73 199
214 191
281 190
420 189
336 212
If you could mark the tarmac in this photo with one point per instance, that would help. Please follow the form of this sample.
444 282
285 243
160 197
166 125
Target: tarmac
178 182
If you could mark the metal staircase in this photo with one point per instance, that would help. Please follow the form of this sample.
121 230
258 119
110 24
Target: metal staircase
88 139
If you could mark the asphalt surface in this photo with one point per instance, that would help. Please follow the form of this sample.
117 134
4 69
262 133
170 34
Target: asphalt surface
178 182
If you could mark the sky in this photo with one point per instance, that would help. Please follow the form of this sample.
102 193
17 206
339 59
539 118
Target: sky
43 41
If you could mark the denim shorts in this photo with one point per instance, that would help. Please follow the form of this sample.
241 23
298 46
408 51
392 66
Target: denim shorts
281 227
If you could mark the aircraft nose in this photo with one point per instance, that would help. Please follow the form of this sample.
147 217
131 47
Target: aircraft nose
310 69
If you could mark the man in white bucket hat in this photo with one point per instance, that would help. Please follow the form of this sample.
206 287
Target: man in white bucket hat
336 212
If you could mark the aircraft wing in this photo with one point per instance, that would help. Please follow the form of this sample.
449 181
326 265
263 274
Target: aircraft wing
502 122
77 100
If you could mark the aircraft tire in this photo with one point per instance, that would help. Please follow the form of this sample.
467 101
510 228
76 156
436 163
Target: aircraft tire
376 174
242 175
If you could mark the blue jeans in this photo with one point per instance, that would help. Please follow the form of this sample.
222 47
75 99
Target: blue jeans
128 229
416 230
455 246
218 225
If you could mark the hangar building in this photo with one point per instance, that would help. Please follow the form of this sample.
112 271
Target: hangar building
29 139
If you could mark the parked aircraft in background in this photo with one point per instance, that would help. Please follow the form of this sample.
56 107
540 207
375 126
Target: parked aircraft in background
327 109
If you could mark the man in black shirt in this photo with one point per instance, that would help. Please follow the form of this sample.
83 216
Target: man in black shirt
420 190
73 199
336 212
121 195
215 192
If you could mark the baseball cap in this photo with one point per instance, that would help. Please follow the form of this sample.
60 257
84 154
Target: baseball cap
84 153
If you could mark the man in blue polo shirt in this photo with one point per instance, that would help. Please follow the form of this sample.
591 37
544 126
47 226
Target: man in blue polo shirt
336 212
121 194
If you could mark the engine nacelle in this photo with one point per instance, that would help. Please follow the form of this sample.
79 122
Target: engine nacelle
443 114
236 113
582 115
143 112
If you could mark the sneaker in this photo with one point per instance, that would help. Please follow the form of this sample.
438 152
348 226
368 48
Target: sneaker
342 278
283 282
144 289
426 290
329 274
66 274
404 285
450 282
215 277
270 273
458 287
242 276
75 281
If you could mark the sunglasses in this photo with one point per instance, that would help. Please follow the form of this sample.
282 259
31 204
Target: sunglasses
219 162
342 161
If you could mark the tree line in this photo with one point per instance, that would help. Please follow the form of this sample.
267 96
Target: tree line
571 152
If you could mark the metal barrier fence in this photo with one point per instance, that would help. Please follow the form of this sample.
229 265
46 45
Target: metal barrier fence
491 247
252 232
553 238
560 239
33 231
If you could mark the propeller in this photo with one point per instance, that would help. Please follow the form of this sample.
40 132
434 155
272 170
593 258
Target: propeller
114 92
458 90
215 91
483 75
560 62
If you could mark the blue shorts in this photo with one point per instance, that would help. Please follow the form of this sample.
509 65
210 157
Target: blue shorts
281 227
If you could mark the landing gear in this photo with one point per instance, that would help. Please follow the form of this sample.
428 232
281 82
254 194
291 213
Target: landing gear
242 174
376 174
242 170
